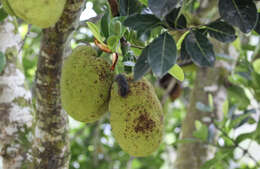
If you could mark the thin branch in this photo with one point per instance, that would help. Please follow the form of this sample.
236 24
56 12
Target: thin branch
114 7
245 151
25 37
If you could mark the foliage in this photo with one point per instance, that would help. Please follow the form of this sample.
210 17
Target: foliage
154 38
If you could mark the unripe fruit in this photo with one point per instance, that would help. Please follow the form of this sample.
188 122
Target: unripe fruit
137 118
85 85
42 13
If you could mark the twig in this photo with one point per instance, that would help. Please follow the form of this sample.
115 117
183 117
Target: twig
168 90
245 151
25 37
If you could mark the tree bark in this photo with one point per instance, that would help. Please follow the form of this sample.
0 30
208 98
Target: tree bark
208 81
51 142
194 154
16 115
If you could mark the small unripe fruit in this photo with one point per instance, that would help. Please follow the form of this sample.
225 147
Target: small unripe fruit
136 118
85 85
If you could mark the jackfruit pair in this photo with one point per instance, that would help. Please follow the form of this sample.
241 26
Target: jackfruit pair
42 13
89 90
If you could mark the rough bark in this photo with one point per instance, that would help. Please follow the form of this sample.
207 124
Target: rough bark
15 101
51 142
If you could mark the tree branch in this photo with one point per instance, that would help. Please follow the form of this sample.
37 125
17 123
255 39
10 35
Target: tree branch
51 142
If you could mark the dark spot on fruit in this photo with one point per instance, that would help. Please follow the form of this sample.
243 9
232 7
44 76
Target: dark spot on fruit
144 123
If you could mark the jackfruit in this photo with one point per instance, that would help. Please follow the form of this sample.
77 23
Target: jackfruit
137 118
41 13
85 85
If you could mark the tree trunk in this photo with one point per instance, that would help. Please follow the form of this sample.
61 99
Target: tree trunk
208 81
192 155
15 101
51 142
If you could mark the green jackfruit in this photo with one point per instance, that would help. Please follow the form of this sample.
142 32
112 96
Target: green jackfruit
137 118
85 84
42 13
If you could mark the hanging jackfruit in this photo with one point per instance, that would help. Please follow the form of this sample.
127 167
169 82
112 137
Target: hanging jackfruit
85 85
136 117
41 13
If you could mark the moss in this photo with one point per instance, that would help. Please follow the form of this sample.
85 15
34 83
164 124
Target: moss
85 84
137 119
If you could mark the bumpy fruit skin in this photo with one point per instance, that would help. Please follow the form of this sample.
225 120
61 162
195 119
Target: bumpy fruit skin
42 13
137 119
85 85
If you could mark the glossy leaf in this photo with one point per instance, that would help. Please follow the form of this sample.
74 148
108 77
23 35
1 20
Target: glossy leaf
177 72
96 31
240 13
199 49
201 131
162 7
112 42
2 62
162 54
142 22
238 96
174 21
221 31
3 14
141 66
105 24
129 7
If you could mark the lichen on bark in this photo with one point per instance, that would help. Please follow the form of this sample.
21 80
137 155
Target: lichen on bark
16 113
51 142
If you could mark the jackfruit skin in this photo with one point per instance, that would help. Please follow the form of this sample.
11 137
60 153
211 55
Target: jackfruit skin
41 13
137 119
85 84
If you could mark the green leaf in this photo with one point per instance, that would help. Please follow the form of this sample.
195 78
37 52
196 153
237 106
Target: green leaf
3 14
163 7
256 66
238 96
244 136
116 28
179 43
142 22
162 54
2 62
201 131
199 49
225 107
208 164
105 24
145 2
175 21
221 31
112 42
96 31
129 7
177 72
141 66
239 120
240 13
